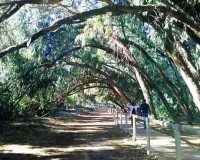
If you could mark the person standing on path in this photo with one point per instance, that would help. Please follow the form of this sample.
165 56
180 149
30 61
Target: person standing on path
144 111
132 110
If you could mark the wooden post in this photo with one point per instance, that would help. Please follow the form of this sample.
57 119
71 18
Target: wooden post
121 120
177 141
114 116
117 117
126 119
134 128
148 136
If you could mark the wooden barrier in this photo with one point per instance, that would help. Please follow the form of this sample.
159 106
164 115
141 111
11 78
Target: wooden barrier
148 136
121 119
126 122
176 127
134 128
114 116
117 117
177 141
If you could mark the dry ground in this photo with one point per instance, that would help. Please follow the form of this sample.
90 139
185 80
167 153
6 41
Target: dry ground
88 136
193 140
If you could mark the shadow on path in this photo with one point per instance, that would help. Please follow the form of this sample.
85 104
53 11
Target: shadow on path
89 136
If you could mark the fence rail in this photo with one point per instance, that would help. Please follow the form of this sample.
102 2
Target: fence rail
176 128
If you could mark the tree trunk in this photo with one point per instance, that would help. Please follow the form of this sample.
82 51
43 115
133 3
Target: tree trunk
145 92
118 90
190 81
189 62
183 104
130 60
143 86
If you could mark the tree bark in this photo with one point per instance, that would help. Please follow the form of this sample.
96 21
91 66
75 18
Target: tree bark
183 104
190 81
146 92
189 62
131 61
143 86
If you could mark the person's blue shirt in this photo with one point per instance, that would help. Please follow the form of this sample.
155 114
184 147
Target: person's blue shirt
144 107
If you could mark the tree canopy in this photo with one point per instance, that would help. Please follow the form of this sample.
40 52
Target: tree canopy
65 52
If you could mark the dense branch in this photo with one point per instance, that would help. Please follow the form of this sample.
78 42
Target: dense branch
88 87
143 73
52 63
107 77
80 17
15 6
23 2
188 60
178 95
192 83
83 82
11 11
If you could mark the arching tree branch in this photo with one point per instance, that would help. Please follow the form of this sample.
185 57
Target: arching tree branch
81 17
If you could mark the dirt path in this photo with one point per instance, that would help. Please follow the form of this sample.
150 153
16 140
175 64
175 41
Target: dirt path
88 136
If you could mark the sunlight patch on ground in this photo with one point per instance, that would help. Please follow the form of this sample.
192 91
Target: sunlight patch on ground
195 141
84 129
90 148
85 121
22 149
119 142
80 131
27 149
95 116
89 124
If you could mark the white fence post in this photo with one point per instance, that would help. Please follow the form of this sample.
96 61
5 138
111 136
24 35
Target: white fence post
114 115
134 128
177 141
117 117
148 136
126 119
121 120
